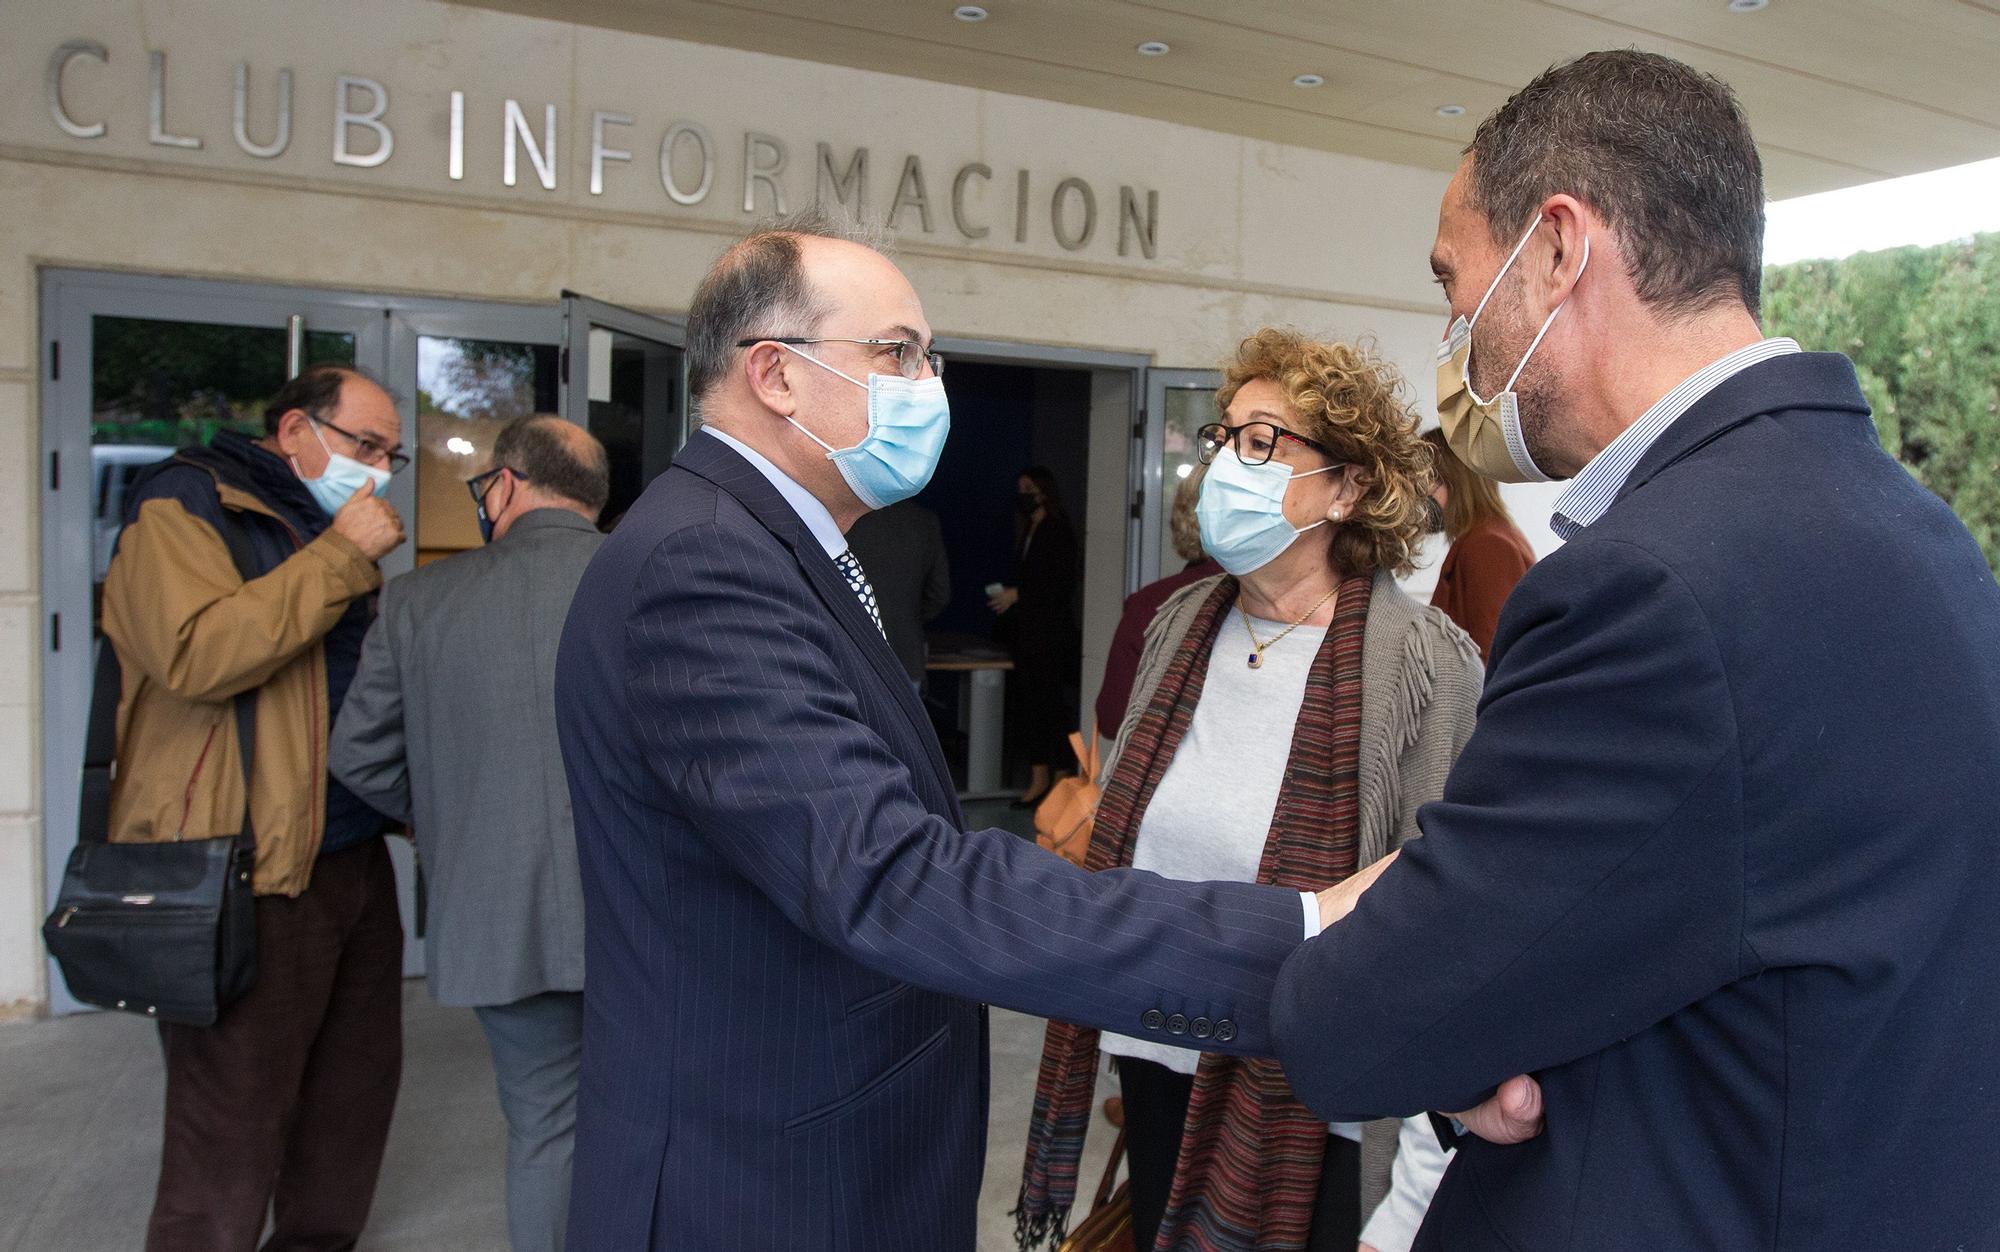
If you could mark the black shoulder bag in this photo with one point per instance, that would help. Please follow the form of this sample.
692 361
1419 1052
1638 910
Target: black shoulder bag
167 930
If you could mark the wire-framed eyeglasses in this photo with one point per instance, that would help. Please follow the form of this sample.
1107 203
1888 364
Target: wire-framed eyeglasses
911 356
366 450
1255 442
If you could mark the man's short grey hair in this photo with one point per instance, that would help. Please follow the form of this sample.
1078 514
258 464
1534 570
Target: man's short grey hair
557 457
759 288
1660 150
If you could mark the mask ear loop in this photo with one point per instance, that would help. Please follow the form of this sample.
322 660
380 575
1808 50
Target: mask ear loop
807 356
1534 343
831 451
1324 469
1504 267
312 426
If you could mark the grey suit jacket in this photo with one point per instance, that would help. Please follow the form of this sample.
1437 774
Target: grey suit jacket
450 726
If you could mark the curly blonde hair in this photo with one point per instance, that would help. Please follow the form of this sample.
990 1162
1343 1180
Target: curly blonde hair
1346 397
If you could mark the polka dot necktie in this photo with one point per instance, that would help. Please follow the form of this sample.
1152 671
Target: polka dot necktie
857 582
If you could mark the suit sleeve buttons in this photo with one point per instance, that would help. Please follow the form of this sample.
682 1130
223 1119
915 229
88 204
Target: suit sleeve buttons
1153 1020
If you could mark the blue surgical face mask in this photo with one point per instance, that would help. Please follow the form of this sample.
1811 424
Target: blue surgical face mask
1242 511
342 477
908 419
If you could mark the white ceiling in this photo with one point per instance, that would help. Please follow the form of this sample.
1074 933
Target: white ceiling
1838 91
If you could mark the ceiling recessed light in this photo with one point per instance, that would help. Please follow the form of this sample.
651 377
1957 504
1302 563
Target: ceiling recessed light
1747 6
1153 48
1451 110
969 13
1309 80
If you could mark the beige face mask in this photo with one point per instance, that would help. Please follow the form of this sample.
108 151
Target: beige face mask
1486 434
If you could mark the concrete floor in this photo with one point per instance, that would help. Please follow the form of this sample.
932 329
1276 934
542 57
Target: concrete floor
80 1120
80 1115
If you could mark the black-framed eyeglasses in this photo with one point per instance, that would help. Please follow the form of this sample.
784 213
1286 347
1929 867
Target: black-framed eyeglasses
911 356
1255 441
366 450
479 484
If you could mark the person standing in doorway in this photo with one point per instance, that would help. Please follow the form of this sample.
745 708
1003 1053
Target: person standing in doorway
1488 552
283 1105
1039 609
450 726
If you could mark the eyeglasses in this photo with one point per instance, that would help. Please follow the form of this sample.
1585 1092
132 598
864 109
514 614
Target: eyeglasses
1255 441
911 356
479 484
366 449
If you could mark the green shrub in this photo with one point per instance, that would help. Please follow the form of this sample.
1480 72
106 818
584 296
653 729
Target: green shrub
1922 326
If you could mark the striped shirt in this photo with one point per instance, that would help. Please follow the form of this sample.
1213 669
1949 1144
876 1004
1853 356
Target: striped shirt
1591 492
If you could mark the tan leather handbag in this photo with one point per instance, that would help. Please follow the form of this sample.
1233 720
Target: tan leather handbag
1109 1226
1063 819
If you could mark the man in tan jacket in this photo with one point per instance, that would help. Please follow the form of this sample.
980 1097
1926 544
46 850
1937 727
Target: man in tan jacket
285 1102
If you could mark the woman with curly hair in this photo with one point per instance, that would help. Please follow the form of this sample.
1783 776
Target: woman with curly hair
1288 718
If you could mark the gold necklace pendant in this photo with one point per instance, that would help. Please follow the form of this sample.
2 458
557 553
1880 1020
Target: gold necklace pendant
1256 658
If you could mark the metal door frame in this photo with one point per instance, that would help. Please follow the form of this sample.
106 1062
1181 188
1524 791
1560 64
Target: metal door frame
70 299
411 319
1149 479
1133 364
385 330
579 314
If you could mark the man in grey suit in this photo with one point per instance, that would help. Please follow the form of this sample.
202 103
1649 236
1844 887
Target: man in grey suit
450 726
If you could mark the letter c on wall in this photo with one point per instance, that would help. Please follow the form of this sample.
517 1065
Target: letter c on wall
52 86
966 174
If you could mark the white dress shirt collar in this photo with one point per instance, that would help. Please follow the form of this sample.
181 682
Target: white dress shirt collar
814 514
1591 492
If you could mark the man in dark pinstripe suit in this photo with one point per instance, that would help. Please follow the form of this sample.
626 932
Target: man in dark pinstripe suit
790 934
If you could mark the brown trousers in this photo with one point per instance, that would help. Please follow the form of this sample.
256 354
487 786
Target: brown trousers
284 1104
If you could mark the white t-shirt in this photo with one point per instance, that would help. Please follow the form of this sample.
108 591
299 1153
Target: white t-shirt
1210 815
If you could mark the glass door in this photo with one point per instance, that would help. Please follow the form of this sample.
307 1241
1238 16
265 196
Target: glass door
134 369
460 373
625 380
1178 403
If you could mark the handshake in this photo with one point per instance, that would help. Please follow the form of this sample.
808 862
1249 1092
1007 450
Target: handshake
1513 1113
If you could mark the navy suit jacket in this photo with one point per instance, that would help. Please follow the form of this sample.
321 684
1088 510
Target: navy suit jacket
1719 865
788 932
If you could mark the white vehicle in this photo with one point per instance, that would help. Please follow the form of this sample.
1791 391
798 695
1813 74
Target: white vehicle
113 466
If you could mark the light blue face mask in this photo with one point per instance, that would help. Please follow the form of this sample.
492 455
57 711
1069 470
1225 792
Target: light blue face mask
908 419
342 477
1242 511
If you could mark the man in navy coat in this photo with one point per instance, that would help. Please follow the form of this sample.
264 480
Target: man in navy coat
1720 866
789 932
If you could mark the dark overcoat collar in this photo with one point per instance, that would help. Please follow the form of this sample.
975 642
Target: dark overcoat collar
1797 380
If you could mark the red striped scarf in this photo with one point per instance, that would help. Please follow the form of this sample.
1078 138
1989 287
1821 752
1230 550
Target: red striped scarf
1251 1153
